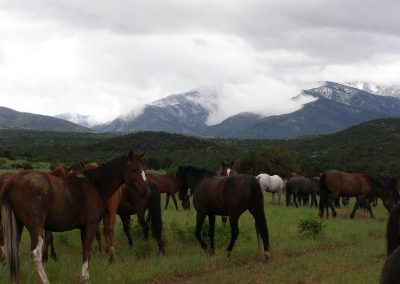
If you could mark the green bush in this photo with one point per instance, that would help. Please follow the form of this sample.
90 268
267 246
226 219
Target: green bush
27 166
311 227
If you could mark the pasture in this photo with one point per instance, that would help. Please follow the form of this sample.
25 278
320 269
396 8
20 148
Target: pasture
349 251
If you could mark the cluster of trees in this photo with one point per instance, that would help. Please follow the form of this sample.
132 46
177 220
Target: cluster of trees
271 160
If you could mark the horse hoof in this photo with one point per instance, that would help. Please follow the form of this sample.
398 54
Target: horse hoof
228 253
212 252
266 256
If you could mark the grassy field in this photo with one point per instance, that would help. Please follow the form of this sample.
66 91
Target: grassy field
349 251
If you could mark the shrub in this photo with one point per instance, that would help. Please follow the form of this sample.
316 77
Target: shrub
310 227
27 166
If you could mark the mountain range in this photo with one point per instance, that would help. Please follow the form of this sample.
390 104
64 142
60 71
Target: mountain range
334 107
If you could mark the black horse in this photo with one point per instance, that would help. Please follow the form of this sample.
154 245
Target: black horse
300 186
391 268
224 196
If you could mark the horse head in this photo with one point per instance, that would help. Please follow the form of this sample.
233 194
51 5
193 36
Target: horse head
226 169
389 193
135 176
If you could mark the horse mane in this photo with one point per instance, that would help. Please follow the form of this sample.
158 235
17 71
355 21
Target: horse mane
105 174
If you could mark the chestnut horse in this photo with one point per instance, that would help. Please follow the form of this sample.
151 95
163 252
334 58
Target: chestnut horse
127 201
167 184
41 201
225 196
391 268
334 184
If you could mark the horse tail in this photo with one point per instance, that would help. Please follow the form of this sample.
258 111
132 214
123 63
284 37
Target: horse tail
11 234
323 195
393 230
154 205
257 208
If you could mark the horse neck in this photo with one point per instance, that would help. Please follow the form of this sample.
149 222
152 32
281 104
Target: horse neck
107 177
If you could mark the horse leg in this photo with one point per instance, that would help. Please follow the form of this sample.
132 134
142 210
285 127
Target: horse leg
126 222
87 235
174 200
48 240
105 234
273 197
261 229
233 220
295 197
355 208
330 203
110 234
36 234
224 219
199 224
211 227
279 198
370 210
166 201
144 224
98 238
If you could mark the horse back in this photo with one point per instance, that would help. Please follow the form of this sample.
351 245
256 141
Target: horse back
347 184
165 183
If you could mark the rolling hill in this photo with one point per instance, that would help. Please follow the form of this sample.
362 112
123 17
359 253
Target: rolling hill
12 119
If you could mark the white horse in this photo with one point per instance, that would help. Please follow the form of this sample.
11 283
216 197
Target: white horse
273 184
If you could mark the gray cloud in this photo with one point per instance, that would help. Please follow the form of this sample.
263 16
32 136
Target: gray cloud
108 58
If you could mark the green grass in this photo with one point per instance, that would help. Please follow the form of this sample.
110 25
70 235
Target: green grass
348 251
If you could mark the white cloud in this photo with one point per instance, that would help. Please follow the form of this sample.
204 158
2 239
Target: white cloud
109 58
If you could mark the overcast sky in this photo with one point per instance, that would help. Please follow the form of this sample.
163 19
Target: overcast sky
106 58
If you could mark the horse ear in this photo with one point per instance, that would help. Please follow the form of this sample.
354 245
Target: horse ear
69 170
130 154
82 164
141 155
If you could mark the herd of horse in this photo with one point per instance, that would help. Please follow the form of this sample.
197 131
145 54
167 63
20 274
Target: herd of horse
66 199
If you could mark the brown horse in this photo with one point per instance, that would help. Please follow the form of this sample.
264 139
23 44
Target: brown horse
225 196
60 171
127 201
167 184
225 171
41 201
334 184
391 268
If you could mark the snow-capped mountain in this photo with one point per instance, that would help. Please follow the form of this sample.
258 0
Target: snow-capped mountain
376 89
80 119
178 113
336 107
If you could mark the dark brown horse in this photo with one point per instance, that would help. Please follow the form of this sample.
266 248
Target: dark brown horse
299 186
167 184
391 268
131 200
41 201
225 196
225 171
334 184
